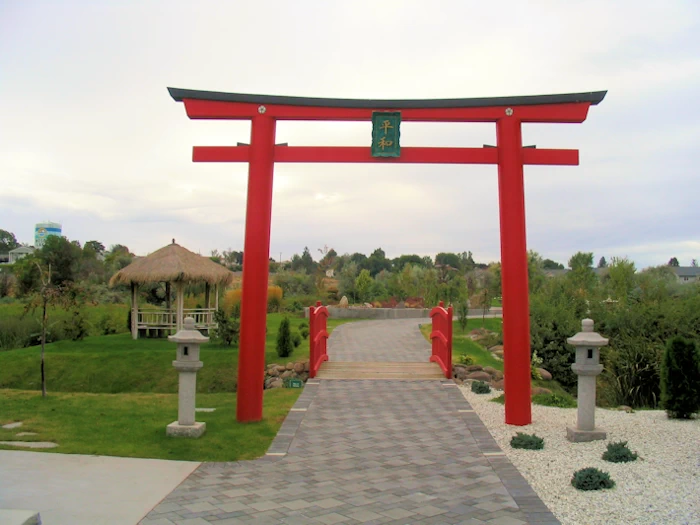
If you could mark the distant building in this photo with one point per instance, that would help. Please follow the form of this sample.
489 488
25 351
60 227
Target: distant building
687 274
20 253
43 230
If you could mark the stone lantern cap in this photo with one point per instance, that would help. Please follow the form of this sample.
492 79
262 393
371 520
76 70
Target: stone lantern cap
587 337
189 334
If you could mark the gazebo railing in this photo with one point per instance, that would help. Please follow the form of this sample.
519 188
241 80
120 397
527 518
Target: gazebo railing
203 317
156 318
167 318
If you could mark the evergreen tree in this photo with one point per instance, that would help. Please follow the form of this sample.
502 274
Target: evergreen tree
680 379
285 345
363 284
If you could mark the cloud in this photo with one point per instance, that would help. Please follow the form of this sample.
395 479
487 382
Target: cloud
90 137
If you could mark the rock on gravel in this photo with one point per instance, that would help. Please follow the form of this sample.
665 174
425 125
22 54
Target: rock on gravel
661 487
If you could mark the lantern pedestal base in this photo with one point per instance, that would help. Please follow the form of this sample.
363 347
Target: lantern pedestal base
582 436
175 429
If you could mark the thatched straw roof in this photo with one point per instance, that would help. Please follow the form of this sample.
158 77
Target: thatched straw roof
172 263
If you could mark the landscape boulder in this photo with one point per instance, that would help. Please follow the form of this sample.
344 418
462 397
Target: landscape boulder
460 372
277 375
479 376
546 376
540 390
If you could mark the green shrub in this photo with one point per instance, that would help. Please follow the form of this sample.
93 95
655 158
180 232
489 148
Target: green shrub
106 325
535 363
463 313
560 400
227 328
304 331
479 387
296 339
632 372
16 332
592 479
680 379
527 441
76 327
466 359
285 346
555 315
619 453
236 311
274 304
295 306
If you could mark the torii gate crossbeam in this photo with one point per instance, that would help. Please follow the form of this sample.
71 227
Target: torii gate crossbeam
508 113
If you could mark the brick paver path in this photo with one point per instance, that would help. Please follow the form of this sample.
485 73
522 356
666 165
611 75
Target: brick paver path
366 451
395 340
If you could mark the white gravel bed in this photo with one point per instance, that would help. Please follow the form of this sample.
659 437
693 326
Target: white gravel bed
662 486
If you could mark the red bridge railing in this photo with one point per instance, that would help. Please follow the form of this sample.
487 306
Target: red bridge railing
318 337
441 338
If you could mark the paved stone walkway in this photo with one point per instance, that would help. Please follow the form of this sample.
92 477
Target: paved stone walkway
366 451
395 340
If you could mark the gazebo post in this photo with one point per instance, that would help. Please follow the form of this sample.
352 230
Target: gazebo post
207 290
134 310
168 304
180 287
216 296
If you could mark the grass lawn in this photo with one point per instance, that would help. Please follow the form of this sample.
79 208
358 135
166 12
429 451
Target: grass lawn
462 344
118 364
133 425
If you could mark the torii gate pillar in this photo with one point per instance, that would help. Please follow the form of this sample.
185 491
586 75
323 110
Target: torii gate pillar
256 266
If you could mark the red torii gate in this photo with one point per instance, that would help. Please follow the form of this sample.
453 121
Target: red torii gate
507 112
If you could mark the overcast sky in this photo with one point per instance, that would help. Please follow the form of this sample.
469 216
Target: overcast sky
90 138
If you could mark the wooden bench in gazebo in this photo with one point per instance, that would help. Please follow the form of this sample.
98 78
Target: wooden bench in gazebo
176 265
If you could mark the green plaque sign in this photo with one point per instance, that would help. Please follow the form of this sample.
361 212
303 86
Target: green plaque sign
386 134
295 383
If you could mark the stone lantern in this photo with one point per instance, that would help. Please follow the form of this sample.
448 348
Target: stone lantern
187 363
587 367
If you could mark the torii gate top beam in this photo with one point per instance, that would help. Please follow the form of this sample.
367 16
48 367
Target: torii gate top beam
572 108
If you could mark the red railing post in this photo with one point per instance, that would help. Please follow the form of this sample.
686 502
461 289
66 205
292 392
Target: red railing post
312 336
441 338
318 336
448 349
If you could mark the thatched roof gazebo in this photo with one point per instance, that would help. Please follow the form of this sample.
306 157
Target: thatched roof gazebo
178 265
